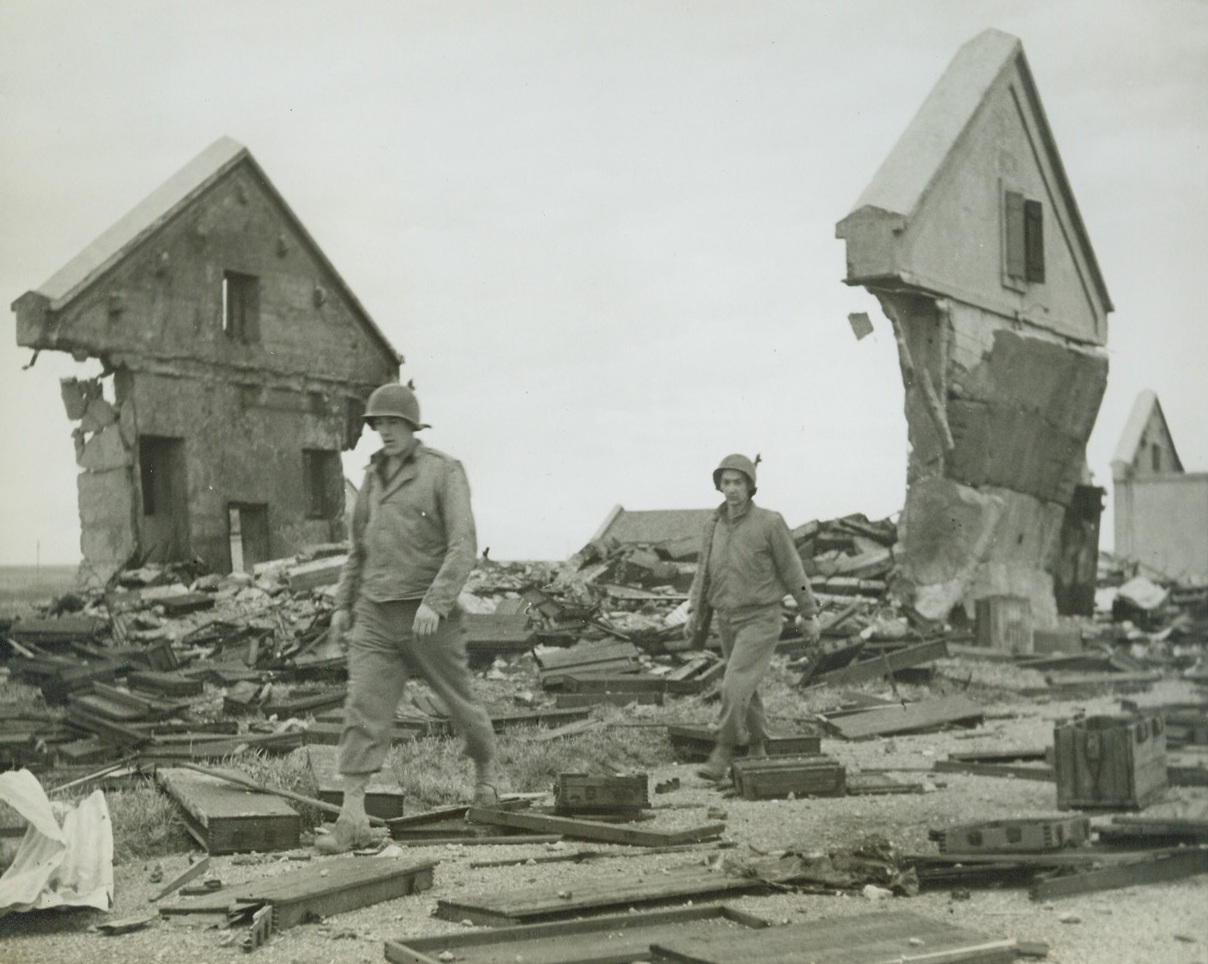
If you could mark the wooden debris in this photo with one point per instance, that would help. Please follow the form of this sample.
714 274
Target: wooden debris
199 869
165 683
580 793
1162 866
1022 835
582 659
496 634
622 937
248 784
592 830
228 819
692 744
335 886
885 664
909 718
126 924
1006 771
591 893
769 778
894 936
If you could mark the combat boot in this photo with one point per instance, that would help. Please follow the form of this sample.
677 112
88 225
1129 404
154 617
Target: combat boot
717 767
486 784
349 833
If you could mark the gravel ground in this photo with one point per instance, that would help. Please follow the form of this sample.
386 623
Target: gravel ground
1137 925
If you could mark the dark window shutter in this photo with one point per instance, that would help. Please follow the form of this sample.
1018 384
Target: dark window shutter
1013 212
1033 228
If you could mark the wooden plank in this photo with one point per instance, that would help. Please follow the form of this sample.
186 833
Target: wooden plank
593 830
227 819
619 938
166 683
592 892
883 665
1173 867
909 718
611 698
1003 770
895 936
335 886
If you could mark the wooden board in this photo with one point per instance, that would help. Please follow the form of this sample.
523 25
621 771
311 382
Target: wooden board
167 683
883 665
228 819
1169 866
909 718
619 938
894 937
583 793
591 892
335 886
611 698
1004 770
592 830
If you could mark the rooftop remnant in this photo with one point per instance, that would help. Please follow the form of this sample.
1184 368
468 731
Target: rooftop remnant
235 365
1161 511
970 238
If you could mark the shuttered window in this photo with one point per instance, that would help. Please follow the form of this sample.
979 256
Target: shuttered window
1023 238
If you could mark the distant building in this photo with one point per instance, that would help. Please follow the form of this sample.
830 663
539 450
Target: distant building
236 367
970 238
1161 511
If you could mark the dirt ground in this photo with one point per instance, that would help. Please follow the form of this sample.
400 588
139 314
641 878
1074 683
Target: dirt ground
1140 924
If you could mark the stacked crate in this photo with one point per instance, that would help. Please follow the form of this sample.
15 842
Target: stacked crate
1110 762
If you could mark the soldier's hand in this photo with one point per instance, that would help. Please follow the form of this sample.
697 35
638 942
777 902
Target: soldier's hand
426 621
809 628
341 621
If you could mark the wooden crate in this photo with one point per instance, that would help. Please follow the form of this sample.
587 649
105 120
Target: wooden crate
1004 623
580 793
1025 835
769 778
1110 762
227 819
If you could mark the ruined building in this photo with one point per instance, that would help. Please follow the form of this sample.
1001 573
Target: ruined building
971 240
235 365
1161 511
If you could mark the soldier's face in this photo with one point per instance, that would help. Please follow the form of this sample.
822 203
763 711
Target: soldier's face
396 434
735 487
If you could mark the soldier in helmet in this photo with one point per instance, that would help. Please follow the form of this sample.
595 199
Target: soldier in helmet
413 545
748 564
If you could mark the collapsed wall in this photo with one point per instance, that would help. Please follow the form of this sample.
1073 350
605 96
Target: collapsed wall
998 420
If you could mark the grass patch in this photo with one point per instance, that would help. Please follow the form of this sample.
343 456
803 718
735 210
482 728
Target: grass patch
146 823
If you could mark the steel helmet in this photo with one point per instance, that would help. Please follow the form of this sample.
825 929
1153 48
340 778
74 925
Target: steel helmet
739 463
394 401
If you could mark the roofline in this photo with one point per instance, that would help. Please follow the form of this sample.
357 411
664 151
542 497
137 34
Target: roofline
241 155
1063 181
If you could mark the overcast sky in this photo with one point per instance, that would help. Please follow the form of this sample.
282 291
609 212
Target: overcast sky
601 232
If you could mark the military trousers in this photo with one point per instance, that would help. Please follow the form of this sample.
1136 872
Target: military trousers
383 653
748 640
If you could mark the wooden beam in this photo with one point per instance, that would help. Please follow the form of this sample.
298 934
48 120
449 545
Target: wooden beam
593 830
1172 867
